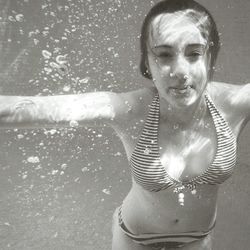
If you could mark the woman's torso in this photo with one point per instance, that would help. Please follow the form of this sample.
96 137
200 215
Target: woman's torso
160 212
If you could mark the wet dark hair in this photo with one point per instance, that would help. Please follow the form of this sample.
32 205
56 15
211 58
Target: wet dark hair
171 6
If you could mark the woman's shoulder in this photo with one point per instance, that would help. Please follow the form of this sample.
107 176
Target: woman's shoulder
138 99
139 94
233 101
133 104
218 89
230 95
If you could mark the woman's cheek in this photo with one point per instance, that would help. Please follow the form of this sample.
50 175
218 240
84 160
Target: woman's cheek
199 72
161 74
165 72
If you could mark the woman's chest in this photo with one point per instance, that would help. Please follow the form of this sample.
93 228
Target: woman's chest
184 154
187 154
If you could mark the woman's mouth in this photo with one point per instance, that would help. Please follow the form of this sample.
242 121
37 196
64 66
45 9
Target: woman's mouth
180 90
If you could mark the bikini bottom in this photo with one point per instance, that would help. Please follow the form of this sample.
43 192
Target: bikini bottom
162 241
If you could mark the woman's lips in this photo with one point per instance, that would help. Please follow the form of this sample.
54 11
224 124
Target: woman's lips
181 89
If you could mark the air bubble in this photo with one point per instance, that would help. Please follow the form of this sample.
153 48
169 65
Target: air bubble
66 88
47 70
73 124
33 159
24 176
194 191
54 172
54 65
106 191
147 151
62 70
19 17
61 59
85 169
84 80
211 43
20 136
64 166
176 126
11 18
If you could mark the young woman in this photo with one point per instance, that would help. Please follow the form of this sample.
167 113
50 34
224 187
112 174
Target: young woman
180 135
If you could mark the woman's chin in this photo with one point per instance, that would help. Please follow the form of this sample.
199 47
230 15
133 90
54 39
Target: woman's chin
182 97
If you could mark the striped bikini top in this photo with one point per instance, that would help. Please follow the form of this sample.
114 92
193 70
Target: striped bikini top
145 162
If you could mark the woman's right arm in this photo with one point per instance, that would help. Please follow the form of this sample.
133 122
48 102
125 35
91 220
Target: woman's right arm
94 109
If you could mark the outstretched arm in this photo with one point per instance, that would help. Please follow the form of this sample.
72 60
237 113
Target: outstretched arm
236 97
242 99
96 108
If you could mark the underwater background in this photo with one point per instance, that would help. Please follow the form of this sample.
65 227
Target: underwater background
59 187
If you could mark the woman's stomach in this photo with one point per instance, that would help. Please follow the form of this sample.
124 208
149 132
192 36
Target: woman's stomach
162 212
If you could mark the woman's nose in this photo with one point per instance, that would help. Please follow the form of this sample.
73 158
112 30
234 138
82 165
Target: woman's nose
179 68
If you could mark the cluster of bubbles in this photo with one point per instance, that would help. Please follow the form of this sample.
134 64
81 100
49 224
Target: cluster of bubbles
81 44
65 47
78 50
42 183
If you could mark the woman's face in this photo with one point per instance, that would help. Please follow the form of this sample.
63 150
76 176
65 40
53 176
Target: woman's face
178 59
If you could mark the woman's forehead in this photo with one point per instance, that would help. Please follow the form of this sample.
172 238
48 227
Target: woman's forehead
172 28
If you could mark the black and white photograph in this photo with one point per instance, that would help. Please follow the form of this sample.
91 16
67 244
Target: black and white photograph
124 125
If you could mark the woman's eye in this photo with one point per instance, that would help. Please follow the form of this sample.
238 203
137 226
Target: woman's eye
160 53
165 55
194 54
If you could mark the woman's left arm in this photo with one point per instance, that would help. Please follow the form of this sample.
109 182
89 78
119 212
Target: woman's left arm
241 99
233 98
87 109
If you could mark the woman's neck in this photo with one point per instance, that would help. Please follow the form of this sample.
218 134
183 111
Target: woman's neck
183 117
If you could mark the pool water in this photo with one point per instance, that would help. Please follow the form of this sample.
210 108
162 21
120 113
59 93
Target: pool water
59 187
